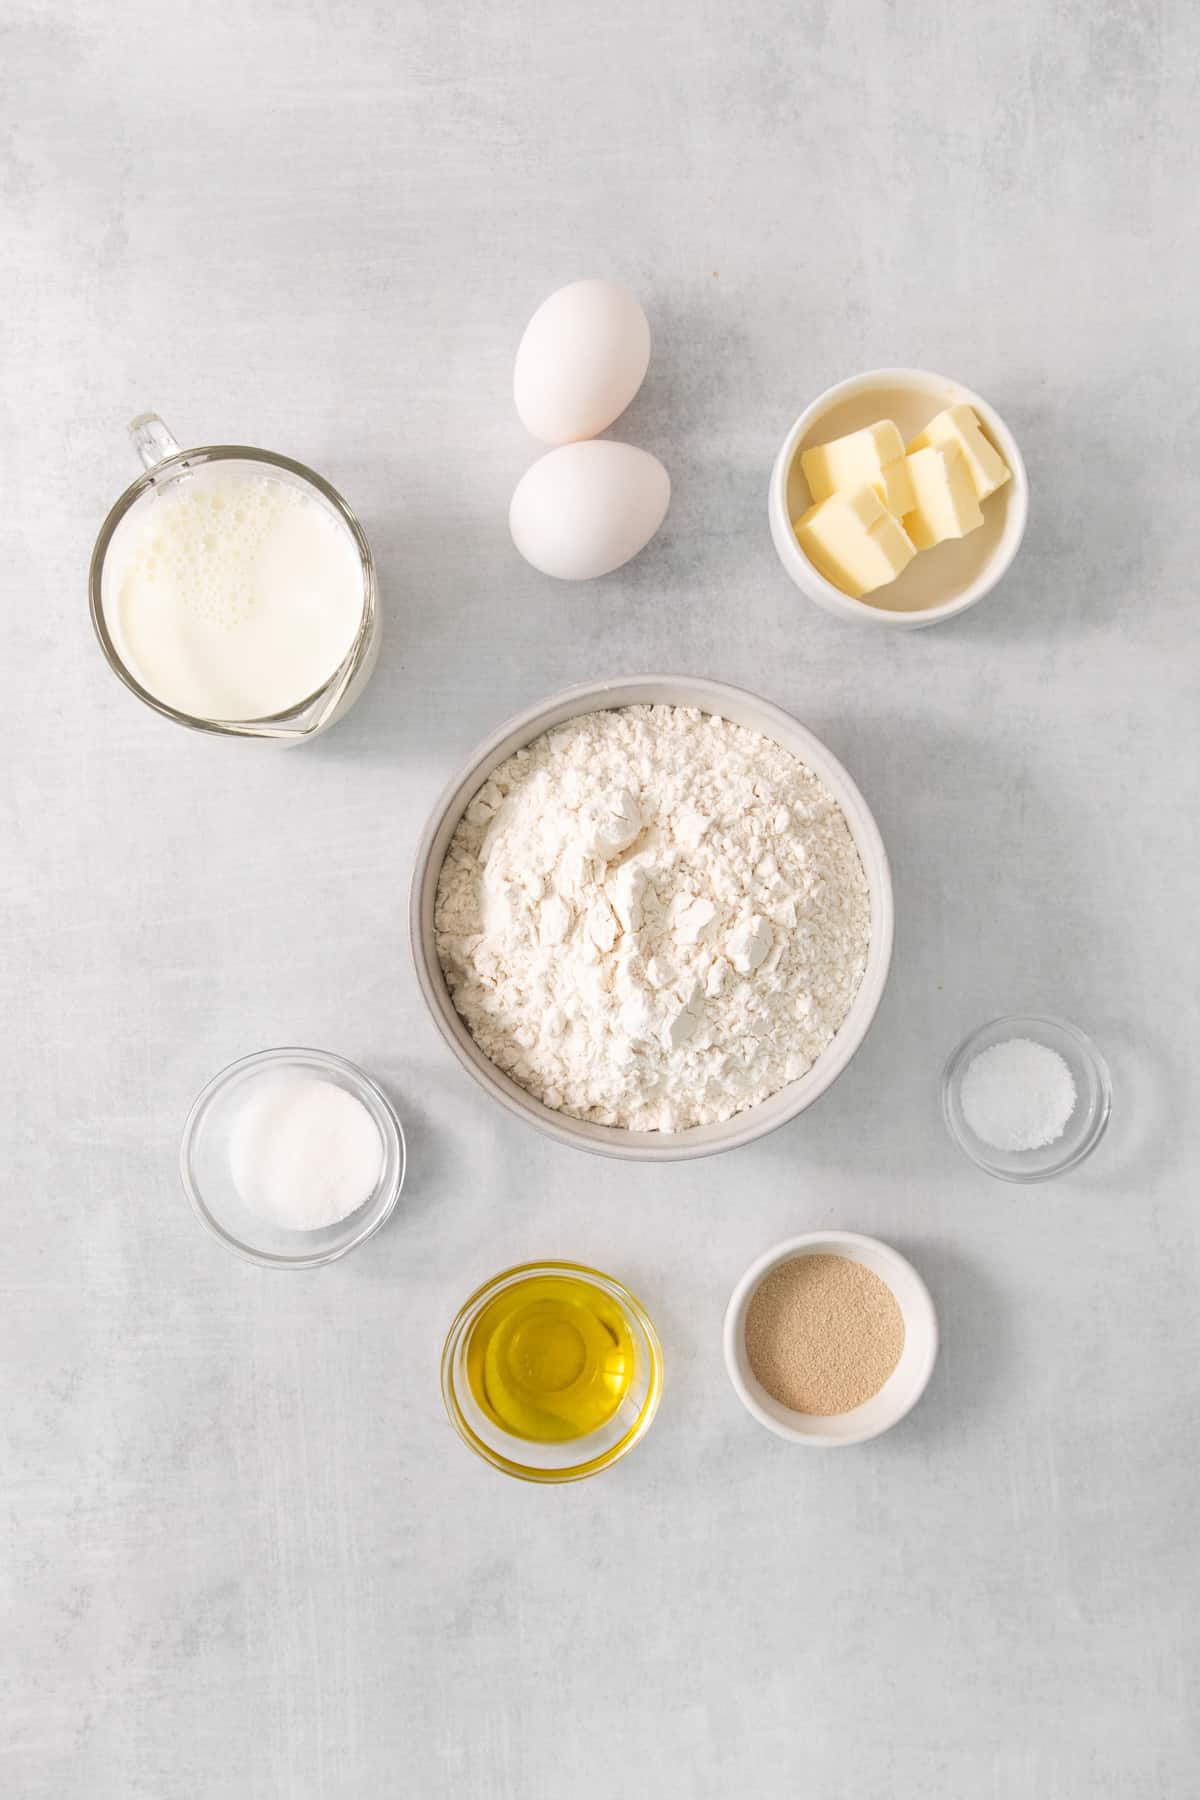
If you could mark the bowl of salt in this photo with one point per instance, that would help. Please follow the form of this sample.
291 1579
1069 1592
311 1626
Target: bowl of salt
1027 1097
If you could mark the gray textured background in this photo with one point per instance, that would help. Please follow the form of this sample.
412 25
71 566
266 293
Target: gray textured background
244 1556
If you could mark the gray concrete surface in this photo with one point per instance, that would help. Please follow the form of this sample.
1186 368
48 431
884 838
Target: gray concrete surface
244 1556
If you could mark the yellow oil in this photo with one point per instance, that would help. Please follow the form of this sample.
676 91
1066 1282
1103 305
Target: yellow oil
550 1358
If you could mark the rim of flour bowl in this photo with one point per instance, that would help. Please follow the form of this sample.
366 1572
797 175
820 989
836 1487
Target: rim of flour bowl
743 708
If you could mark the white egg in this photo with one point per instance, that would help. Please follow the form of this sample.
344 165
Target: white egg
583 357
587 508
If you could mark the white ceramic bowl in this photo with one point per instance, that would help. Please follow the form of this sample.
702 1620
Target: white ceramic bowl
903 1387
938 583
644 690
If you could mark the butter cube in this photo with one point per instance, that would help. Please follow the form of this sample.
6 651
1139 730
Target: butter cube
958 425
946 506
854 541
873 457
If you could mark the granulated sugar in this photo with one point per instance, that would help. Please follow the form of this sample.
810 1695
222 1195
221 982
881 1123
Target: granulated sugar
304 1152
823 1333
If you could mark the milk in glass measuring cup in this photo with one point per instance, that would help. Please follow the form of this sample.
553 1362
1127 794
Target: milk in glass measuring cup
233 590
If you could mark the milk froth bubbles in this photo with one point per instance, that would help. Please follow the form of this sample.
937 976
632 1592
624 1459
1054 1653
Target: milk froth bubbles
232 594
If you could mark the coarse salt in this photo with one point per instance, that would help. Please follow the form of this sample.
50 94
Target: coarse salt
1018 1095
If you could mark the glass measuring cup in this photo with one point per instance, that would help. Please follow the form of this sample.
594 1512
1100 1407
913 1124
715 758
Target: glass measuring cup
167 468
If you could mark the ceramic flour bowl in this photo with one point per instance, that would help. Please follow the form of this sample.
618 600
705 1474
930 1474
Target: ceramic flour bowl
648 690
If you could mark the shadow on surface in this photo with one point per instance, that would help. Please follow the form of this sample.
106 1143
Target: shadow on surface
976 1342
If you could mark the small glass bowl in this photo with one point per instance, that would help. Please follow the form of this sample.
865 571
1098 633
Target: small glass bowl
579 1457
206 1172
1085 1127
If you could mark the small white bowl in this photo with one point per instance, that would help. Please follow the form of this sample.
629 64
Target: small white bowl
903 1387
938 583
651 690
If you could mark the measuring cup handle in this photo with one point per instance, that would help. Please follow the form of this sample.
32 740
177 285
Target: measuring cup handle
151 439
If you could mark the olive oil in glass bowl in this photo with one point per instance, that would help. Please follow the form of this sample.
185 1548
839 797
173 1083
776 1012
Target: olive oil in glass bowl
551 1372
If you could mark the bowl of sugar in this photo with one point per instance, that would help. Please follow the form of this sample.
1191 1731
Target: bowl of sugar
292 1157
1027 1097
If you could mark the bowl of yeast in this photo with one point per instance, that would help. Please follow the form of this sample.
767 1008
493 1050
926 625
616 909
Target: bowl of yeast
903 1387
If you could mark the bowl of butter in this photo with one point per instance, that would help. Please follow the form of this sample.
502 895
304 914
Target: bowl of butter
898 498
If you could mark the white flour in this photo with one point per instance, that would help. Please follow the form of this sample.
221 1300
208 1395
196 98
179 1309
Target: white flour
653 918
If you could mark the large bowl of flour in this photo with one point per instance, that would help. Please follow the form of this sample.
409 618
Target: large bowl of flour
652 917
